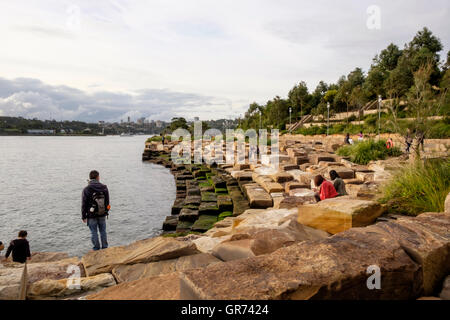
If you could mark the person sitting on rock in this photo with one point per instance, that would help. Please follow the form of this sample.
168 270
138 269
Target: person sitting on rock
338 183
20 248
326 189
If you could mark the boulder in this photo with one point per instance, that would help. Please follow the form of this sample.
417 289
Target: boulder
143 251
364 176
164 287
54 289
332 268
10 281
207 244
292 185
302 177
170 224
339 214
127 273
204 223
426 239
224 203
343 172
47 256
445 293
257 196
316 158
281 177
447 204
188 215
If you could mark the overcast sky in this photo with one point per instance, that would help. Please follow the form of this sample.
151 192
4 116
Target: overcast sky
109 59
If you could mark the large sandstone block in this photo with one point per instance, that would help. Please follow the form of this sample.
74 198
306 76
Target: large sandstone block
37 257
339 214
302 176
164 287
316 158
144 251
281 177
426 239
127 273
344 173
447 204
59 289
333 268
257 196
292 185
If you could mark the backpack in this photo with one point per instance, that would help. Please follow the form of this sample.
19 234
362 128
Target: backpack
98 203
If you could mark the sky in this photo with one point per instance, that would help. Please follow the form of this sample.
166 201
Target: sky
110 59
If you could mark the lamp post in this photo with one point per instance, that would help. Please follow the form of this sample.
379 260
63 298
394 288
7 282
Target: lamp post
260 123
290 124
328 122
379 115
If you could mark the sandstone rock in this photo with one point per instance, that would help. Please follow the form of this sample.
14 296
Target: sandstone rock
164 287
316 158
365 176
447 204
170 224
339 214
10 280
333 268
445 293
343 172
45 289
204 223
127 273
207 244
188 215
47 256
54 270
302 177
257 196
292 185
144 251
281 177
426 239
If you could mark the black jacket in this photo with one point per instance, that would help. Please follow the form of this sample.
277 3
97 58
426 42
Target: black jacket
86 199
20 249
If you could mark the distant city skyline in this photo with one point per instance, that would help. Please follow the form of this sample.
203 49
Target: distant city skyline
113 59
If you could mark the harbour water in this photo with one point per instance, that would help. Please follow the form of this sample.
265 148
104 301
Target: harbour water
41 180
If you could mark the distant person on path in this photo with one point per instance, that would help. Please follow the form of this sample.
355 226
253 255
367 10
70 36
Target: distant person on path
162 138
326 189
338 183
360 136
390 143
347 139
94 209
408 141
420 136
20 248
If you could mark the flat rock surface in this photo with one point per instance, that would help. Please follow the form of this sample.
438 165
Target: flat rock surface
144 251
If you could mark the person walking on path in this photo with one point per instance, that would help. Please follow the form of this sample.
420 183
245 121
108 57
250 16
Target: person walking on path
338 183
20 248
408 141
95 208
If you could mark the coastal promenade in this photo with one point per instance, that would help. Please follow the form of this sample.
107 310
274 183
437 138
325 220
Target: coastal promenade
255 231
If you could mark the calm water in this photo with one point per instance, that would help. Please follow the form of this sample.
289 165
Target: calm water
41 179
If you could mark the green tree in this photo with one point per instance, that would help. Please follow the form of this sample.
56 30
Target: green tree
299 98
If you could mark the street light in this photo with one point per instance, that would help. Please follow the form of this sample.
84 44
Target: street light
290 124
328 122
379 114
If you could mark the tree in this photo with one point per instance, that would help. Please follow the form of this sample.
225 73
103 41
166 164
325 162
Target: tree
423 101
178 123
299 97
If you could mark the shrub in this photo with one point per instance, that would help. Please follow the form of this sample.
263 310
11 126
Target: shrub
419 187
365 151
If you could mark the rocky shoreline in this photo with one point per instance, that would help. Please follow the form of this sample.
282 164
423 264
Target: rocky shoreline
245 232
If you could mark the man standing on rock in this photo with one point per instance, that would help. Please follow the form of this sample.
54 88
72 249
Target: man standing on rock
94 209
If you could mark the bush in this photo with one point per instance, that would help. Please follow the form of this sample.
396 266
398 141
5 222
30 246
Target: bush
366 151
417 188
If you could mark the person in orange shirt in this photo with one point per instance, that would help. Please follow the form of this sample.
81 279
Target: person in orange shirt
326 189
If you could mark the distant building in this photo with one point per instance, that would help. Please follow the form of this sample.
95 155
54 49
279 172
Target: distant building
40 131
101 123
196 118
140 121
129 119
159 124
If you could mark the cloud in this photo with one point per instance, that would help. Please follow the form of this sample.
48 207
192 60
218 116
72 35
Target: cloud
31 98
